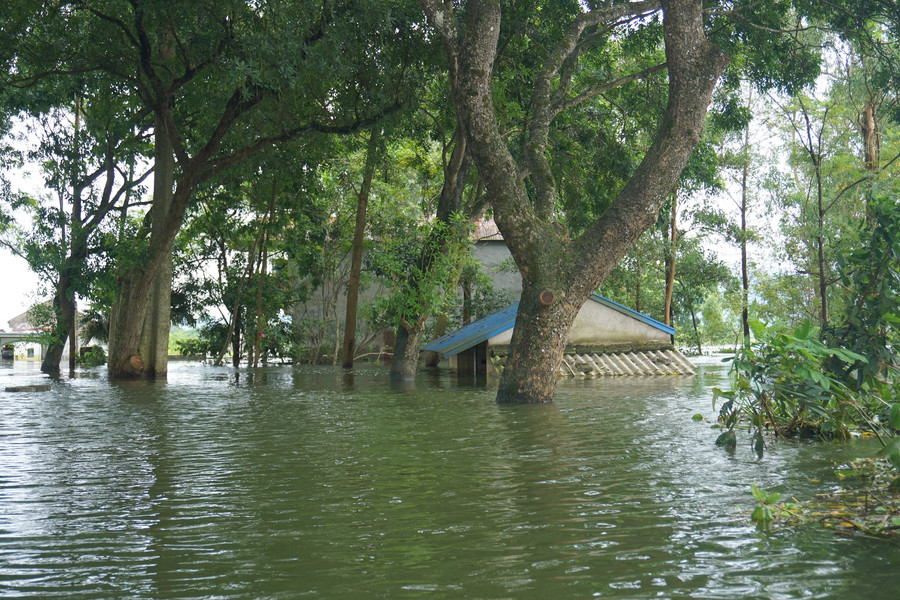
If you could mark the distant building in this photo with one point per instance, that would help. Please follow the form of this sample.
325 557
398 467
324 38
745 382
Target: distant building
15 343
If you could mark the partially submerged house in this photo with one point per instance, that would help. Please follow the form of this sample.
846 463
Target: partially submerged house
606 339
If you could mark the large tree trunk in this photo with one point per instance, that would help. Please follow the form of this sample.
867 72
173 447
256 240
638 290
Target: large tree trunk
670 261
140 319
537 348
154 342
554 288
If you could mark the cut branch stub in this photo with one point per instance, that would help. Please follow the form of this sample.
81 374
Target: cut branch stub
137 363
546 298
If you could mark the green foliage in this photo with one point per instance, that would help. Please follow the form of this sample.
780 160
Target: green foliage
871 312
43 318
770 508
94 357
480 298
780 382
420 266
191 347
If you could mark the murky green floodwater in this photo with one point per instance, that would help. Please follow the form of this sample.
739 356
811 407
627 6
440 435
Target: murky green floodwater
294 483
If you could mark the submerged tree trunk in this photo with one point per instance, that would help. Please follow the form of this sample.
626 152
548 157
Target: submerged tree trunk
670 261
559 274
359 233
236 335
696 330
409 333
64 311
140 318
406 352
154 342
537 347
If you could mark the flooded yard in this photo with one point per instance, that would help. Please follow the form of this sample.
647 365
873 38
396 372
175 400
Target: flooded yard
295 482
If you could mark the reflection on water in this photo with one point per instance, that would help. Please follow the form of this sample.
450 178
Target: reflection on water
315 482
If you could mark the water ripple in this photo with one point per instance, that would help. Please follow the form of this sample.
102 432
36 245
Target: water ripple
313 482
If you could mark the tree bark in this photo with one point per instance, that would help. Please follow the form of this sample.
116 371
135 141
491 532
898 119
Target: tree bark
139 329
820 243
536 350
745 276
64 310
548 260
696 330
871 135
136 349
359 233
670 261
405 361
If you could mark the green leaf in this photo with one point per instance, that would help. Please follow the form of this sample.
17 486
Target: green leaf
758 329
892 446
757 493
727 440
894 420
891 318
891 452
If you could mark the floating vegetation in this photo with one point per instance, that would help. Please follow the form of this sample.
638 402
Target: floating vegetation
867 502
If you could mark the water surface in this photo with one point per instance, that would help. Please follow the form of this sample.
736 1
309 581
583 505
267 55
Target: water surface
309 482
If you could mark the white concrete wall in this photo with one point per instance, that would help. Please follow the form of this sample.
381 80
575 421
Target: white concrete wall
495 257
599 324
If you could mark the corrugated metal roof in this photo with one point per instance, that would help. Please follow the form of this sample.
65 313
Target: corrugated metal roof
496 323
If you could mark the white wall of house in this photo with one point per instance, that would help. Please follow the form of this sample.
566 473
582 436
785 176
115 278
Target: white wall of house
499 265
599 324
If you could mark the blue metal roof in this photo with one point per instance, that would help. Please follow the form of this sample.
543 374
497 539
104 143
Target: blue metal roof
496 323
475 332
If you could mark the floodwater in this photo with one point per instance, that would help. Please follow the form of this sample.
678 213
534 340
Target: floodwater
311 483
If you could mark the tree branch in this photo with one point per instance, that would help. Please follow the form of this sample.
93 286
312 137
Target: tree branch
605 87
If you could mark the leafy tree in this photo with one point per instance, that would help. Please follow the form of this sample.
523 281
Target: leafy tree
84 153
218 82
560 271
232 254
